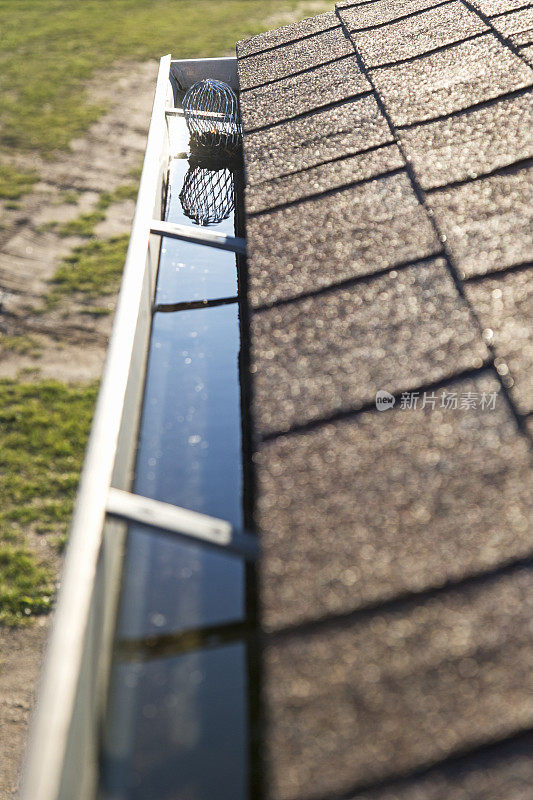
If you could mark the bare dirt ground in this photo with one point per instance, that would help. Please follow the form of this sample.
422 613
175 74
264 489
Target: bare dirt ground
72 344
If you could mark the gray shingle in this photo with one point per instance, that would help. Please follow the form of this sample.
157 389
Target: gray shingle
504 306
527 53
302 143
523 38
468 144
364 16
315 357
451 80
492 7
520 21
488 223
494 773
416 35
323 241
401 689
326 177
293 57
289 33
384 503
287 98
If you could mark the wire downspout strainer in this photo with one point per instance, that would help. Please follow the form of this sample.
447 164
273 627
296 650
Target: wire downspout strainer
211 112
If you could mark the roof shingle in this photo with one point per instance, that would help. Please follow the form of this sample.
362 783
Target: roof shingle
489 222
289 33
302 93
293 57
504 306
471 143
323 178
336 695
370 14
450 80
418 34
361 530
329 239
345 129
322 355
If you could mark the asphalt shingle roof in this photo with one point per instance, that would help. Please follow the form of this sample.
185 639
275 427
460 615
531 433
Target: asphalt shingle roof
383 225
472 143
450 80
350 127
293 57
388 200
301 93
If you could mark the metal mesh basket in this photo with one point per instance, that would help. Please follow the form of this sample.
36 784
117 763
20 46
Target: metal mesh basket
207 196
211 112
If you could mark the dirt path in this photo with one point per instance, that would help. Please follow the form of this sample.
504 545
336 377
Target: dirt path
72 344
29 254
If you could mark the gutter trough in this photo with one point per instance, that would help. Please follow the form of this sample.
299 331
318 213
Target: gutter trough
149 672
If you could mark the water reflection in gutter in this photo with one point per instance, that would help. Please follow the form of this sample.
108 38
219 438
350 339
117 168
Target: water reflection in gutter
178 725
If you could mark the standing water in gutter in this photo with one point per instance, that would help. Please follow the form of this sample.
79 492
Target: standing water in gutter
178 724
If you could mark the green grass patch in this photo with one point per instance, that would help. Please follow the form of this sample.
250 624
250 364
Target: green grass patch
98 311
22 345
84 224
92 270
50 48
14 183
26 587
43 432
69 196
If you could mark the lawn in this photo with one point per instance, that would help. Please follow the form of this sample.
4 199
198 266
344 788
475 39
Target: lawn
43 431
50 48
91 270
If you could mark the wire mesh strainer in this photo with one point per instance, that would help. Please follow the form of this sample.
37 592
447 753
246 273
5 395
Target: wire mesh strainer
207 196
211 112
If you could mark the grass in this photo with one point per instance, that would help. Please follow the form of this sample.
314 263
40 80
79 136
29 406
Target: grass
69 196
26 587
84 224
14 183
93 270
43 432
50 48
22 345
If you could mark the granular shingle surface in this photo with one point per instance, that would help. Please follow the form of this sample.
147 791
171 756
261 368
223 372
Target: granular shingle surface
286 98
389 250
369 14
418 34
294 57
399 676
504 306
289 33
468 144
488 223
450 80
326 177
361 530
497 772
297 250
302 143
315 357
518 22
493 7
527 53
523 38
